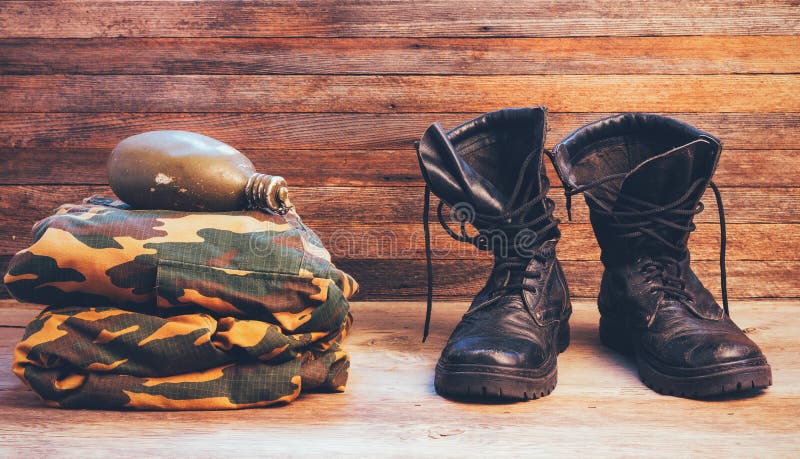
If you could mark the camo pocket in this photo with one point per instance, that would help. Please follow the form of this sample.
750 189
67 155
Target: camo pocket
297 303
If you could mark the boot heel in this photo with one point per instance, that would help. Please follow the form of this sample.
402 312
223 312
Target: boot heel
615 336
563 336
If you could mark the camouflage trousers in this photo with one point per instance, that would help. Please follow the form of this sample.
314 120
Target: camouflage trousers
169 310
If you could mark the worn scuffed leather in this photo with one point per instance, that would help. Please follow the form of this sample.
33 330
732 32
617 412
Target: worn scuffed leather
650 300
508 334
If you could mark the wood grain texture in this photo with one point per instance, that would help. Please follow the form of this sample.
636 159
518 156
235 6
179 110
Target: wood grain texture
390 408
345 131
20 206
346 167
687 55
14 314
396 18
398 94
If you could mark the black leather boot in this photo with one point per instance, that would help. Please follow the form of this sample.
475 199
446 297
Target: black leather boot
642 177
489 172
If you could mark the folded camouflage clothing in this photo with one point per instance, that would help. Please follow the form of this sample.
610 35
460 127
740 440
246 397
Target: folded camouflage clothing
152 309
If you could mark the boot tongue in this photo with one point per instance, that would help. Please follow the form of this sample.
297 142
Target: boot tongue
664 178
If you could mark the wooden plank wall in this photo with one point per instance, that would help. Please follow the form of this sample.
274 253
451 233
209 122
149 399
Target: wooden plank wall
331 94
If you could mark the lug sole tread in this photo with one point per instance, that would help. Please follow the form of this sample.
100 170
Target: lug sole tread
478 387
499 384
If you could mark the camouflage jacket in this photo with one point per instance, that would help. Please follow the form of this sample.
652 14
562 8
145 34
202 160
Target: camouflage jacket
198 300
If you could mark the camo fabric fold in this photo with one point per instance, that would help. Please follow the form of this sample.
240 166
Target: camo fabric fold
178 310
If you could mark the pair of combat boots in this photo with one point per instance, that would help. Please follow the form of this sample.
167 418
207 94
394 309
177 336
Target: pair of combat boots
642 177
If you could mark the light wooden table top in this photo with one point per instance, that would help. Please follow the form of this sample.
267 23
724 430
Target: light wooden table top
600 408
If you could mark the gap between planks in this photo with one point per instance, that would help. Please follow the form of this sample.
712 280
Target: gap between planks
345 131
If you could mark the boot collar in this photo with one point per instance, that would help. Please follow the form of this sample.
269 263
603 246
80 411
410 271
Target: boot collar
477 162
683 149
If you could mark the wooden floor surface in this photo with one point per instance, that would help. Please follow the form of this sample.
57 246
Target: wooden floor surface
599 408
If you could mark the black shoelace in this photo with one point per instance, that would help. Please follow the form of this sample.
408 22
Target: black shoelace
637 219
489 223
510 264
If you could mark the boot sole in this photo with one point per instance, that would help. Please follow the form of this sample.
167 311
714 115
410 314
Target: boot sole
497 383
730 378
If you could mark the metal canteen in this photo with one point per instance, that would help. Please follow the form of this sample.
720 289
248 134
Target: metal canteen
186 171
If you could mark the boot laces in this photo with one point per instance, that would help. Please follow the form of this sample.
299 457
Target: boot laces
668 271
483 240
641 221
506 267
